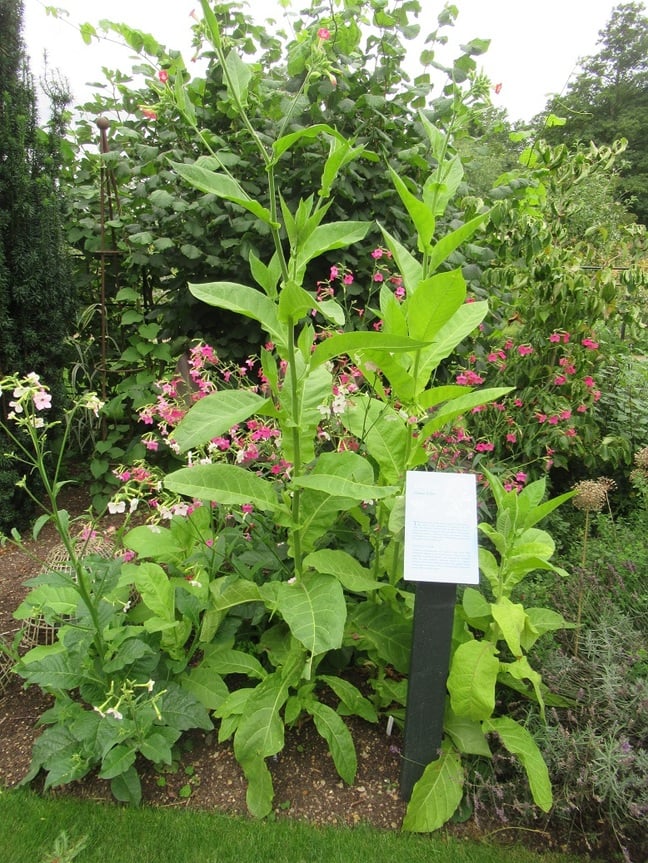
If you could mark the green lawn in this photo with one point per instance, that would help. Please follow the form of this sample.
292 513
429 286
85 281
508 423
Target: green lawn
30 826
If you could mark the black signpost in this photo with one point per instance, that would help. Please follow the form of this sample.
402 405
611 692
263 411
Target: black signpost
426 695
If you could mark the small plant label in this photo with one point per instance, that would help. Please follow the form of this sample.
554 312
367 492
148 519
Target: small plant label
441 528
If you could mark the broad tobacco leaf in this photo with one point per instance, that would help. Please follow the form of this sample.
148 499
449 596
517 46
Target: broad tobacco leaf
315 610
437 794
519 742
472 679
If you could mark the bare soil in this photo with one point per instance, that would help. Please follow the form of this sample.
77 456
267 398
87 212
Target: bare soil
206 776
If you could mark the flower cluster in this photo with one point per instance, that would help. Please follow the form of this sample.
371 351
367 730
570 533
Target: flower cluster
549 415
29 396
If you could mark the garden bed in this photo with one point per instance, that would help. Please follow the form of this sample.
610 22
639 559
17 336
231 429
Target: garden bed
206 775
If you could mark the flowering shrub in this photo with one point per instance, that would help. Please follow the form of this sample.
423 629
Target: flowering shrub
549 419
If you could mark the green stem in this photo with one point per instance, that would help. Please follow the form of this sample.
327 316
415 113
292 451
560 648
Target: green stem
296 440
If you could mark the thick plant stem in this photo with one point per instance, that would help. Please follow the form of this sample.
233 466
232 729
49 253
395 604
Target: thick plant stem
297 461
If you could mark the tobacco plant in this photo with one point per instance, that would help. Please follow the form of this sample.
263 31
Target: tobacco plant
331 601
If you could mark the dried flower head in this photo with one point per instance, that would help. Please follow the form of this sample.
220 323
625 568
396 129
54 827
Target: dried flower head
592 494
641 459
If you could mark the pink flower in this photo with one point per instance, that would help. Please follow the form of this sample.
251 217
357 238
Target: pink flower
565 415
511 438
553 420
163 75
554 337
588 381
149 113
127 556
484 446
347 279
559 380
42 400
590 344
581 409
151 445
542 418
518 403
209 542
525 350
399 293
247 509
377 254
323 34
378 277
377 325
334 273
570 432
520 477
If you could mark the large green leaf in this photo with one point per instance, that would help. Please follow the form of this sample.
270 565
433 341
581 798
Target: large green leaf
458 405
236 662
182 710
420 214
447 244
409 268
117 761
519 742
156 590
436 300
225 484
333 235
259 791
331 727
127 788
350 697
238 76
383 432
437 794
511 619
151 540
464 321
359 342
205 684
223 186
216 414
467 734
315 610
260 732
472 679
349 572
337 486
51 671
243 300
383 632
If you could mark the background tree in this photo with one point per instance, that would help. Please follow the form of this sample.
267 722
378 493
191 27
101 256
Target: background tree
36 302
608 100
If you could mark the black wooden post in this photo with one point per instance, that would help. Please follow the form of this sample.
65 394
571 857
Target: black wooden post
431 639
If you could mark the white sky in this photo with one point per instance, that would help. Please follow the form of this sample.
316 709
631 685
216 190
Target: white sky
535 46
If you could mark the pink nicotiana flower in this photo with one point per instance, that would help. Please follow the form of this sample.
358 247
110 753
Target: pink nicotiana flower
525 350
590 344
323 34
42 400
484 446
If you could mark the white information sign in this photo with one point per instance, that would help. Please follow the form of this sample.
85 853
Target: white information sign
441 528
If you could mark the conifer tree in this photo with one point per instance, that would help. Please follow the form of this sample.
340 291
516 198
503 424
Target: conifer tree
36 301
